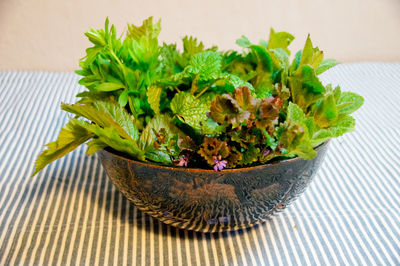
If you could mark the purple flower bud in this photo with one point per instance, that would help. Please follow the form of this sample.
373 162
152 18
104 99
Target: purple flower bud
219 164
266 152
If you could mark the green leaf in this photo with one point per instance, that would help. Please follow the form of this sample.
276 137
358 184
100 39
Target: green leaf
70 137
115 117
309 123
344 125
295 113
189 109
326 112
236 81
243 42
153 97
311 56
148 29
250 155
305 87
321 136
279 40
325 65
111 137
263 56
94 146
108 86
191 46
120 116
280 58
159 121
349 102
123 98
206 64
212 128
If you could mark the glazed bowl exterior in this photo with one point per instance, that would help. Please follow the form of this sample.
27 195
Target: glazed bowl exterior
209 201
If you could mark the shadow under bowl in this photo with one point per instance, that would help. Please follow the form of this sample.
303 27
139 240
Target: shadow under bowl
209 201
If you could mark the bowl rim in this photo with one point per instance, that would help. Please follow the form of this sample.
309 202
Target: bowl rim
200 170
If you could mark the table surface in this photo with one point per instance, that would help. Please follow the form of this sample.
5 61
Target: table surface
72 214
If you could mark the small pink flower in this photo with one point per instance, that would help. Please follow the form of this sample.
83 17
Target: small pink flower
219 164
182 161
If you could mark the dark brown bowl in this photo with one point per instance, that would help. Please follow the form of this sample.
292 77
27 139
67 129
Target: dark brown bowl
209 201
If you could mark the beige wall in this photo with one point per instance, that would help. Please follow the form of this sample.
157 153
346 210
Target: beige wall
48 34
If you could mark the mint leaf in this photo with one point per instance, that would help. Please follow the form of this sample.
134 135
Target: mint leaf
206 64
189 110
295 113
325 65
349 102
344 125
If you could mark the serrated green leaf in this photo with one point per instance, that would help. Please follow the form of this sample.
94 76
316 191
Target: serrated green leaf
250 155
295 113
153 97
235 81
191 46
325 65
70 137
105 116
349 102
148 29
344 125
188 109
94 146
112 138
120 116
206 64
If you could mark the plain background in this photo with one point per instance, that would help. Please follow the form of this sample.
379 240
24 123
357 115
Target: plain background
48 34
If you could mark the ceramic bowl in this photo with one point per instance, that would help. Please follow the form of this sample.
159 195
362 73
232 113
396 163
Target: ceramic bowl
209 201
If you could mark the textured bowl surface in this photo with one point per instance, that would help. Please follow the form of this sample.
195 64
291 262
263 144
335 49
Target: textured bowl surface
209 201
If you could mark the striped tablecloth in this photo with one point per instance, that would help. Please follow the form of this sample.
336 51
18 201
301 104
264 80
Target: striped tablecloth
71 214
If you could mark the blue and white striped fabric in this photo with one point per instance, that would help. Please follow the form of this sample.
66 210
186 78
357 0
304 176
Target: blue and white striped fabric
71 214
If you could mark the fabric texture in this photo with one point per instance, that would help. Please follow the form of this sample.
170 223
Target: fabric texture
71 213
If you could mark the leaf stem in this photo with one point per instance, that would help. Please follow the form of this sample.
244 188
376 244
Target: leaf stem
204 90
